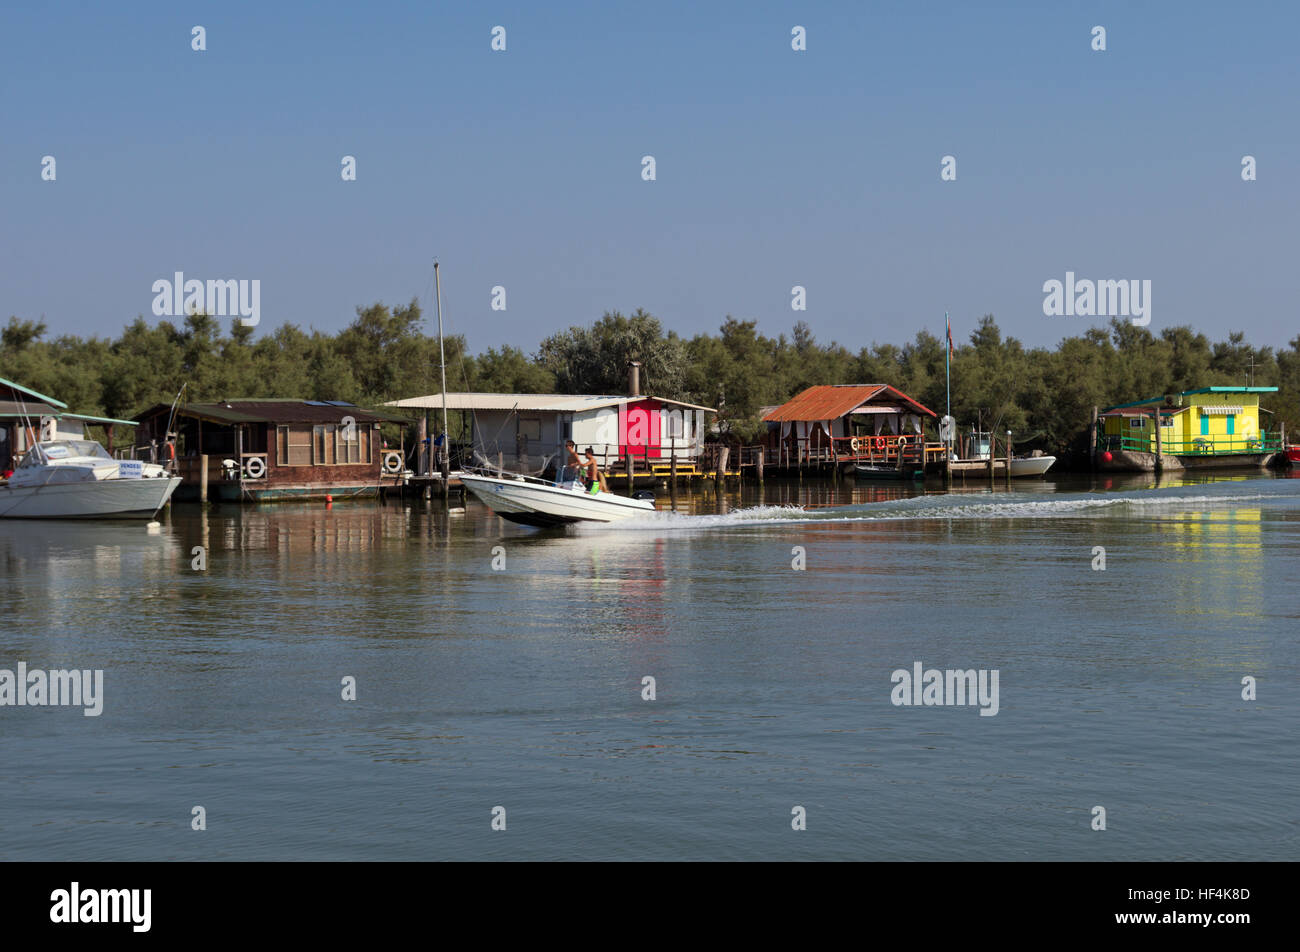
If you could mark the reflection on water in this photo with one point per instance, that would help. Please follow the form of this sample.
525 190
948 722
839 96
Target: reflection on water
522 685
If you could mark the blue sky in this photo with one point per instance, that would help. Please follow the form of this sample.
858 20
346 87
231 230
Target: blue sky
775 168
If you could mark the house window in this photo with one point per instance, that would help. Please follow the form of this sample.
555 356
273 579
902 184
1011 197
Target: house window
322 444
352 444
1167 421
530 428
1137 423
293 446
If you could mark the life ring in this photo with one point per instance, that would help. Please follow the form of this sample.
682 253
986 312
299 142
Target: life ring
171 451
902 441
255 468
854 443
880 443
392 462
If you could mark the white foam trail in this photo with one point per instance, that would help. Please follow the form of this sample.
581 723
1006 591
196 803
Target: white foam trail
922 507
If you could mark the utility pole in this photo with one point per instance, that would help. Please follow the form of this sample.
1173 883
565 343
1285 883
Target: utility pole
442 360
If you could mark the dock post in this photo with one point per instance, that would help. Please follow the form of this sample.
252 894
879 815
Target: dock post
1008 459
947 473
724 453
759 461
1159 460
630 471
203 478
1092 440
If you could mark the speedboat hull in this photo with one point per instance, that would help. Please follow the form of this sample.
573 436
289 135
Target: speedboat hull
90 499
1031 465
546 505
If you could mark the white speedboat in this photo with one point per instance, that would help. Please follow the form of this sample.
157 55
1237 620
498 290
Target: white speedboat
1031 465
536 502
77 479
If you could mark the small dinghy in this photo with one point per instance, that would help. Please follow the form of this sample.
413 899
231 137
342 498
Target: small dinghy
871 471
531 501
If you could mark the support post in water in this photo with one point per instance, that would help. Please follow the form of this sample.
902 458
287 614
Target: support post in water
1008 459
1159 460
1092 438
631 470
203 478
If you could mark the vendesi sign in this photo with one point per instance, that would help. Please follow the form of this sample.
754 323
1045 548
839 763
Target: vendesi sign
130 469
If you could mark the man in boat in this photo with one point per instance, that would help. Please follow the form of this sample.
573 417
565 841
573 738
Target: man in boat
572 465
595 479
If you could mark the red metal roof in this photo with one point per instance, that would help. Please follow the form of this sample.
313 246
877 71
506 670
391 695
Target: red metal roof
832 401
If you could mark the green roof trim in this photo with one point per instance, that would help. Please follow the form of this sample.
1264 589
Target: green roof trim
32 393
1153 401
96 419
1188 393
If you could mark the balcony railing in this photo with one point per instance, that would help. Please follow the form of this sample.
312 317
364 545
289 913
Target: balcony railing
1201 446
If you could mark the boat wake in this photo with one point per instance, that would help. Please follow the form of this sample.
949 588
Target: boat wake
994 506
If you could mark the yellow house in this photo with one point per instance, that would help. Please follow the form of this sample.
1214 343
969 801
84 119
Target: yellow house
1212 426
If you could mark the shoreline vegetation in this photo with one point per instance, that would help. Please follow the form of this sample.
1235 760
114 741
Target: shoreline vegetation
1045 396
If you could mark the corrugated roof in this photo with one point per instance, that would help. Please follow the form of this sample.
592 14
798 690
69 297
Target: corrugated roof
541 402
270 411
832 401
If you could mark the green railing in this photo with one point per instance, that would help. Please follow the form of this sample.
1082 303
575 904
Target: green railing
1201 446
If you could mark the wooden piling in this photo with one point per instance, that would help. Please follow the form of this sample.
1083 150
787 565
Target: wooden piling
1159 460
203 478
1092 440
631 471
1008 459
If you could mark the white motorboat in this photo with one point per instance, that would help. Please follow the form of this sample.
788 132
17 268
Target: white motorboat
537 502
1031 465
77 479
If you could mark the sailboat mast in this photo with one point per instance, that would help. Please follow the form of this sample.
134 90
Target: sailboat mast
442 361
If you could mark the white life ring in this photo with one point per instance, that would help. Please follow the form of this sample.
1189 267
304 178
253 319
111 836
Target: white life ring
902 441
255 468
854 444
392 462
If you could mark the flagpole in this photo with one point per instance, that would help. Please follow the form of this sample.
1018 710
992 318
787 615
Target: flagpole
947 354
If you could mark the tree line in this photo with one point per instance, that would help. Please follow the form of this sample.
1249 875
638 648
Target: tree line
1045 396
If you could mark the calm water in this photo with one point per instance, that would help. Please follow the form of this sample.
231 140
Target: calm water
522 687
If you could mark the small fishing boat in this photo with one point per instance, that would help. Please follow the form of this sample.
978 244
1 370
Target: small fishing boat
880 471
531 501
77 479
1293 455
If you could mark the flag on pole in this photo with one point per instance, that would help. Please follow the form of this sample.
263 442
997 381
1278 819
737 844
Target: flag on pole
949 325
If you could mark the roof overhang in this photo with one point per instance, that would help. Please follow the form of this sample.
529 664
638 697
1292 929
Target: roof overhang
531 402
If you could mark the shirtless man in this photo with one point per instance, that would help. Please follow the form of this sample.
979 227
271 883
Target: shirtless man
595 478
571 461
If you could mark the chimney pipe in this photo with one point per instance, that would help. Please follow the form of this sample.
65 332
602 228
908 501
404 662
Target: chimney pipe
634 378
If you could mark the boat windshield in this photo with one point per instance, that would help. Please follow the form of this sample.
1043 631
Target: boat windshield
63 449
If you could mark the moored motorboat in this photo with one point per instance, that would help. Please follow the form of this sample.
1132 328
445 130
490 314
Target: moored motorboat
877 471
1031 465
543 504
77 479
